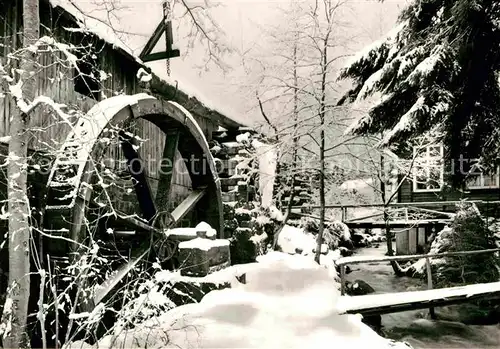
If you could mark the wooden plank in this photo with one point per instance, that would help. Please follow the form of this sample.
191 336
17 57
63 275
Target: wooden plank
381 224
412 241
187 205
421 237
134 222
153 40
387 303
107 286
167 167
431 303
136 169
429 282
402 245
395 224
161 55
404 204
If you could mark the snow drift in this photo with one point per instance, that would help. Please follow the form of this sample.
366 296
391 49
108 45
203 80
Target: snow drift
287 302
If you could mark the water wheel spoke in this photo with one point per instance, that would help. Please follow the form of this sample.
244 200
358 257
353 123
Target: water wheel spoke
136 168
136 223
187 204
107 286
167 166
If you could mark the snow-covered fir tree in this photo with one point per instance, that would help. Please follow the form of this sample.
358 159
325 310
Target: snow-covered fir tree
437 73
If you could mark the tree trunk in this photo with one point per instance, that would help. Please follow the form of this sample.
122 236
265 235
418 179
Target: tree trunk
388 234
286 217
16 309
322 110
295 145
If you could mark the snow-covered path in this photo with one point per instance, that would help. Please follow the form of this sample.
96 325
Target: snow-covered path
412 326
287 302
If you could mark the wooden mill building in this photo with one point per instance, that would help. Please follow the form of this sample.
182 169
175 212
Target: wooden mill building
105 68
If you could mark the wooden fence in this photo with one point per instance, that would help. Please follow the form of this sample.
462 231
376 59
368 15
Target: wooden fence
342 262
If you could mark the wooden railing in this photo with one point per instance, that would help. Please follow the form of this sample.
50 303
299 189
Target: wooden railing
342 262
404 204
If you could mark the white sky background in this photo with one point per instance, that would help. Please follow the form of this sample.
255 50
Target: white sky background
240 19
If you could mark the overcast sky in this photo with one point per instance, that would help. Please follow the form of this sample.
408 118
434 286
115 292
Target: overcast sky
241 21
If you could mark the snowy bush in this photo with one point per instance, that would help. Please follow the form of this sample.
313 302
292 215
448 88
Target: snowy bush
340 231
309 225
468 232
150 300
441 243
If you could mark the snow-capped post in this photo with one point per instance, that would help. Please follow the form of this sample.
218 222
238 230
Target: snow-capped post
429 283
15 317
342 279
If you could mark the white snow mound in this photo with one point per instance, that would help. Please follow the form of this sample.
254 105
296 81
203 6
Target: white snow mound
287 302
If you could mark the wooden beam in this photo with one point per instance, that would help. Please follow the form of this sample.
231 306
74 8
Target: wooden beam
425 304
135 222
168 28
161 55
405 204
429 284
371 259
187 205
137 171
153 40
167 167
420 209
107 286
395 224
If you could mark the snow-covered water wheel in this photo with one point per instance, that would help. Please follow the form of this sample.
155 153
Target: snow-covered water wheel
85 195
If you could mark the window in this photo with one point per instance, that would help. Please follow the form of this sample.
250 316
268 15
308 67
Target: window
428 173
478 180
86 76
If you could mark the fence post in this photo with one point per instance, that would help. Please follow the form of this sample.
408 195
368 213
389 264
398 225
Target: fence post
344 214
429 284
342 277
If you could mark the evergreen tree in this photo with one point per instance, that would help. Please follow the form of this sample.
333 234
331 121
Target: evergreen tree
437 73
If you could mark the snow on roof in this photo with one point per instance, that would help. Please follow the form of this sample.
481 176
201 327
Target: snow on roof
94 26
105 32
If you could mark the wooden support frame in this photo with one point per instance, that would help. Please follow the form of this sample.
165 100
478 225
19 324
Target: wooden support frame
163 27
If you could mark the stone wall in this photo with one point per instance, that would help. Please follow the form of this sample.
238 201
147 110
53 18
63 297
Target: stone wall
238 172
302 190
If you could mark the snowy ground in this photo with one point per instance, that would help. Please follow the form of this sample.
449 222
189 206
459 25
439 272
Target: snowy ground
288 301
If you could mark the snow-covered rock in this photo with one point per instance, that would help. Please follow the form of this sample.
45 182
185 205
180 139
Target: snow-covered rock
292 239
